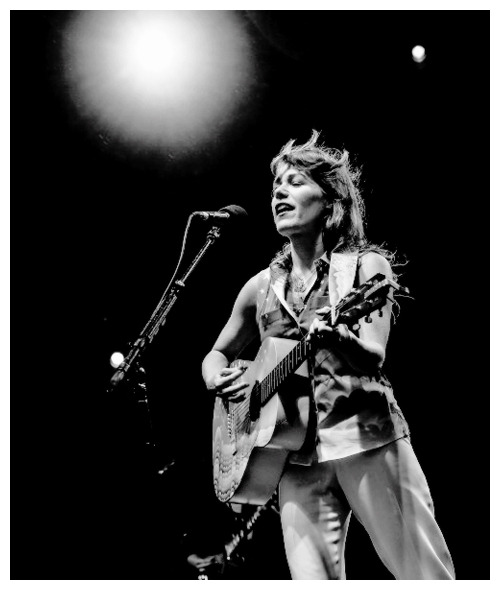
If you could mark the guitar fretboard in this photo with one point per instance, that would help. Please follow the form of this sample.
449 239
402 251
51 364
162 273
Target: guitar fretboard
346 311
288 365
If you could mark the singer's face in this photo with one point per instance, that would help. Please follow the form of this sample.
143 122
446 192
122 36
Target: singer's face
298 203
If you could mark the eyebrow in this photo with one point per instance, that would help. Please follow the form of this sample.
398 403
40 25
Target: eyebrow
288 174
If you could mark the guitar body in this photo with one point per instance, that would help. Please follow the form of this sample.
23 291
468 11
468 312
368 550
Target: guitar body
250 447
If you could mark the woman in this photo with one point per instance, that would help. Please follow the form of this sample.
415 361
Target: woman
362 460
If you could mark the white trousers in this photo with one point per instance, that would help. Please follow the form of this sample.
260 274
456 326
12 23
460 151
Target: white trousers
388 493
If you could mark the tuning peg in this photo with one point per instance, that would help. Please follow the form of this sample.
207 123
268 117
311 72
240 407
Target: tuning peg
368 320
380 313
355 327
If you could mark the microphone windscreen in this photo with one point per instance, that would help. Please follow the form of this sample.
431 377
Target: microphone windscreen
234 210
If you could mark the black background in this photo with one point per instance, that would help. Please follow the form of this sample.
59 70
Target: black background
86 501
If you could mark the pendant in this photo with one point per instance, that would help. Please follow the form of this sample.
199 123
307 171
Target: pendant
298 306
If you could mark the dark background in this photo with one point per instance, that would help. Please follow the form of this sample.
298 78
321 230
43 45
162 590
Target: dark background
87 501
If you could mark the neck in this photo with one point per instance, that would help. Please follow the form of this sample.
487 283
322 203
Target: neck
305 251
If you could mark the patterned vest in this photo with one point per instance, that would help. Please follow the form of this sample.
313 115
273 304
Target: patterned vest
354 412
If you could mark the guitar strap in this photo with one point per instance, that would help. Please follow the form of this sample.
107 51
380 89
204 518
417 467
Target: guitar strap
263 284
343 269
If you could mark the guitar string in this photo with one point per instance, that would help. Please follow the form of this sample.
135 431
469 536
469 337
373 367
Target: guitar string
285 372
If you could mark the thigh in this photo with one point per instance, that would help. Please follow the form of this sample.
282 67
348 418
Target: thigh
314 517
388 493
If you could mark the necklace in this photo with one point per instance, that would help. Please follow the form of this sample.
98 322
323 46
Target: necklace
298 284
298 287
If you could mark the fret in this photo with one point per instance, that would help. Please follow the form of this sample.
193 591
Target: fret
271 383
283 370
301 351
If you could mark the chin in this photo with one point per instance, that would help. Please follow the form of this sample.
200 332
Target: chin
284 232
283 228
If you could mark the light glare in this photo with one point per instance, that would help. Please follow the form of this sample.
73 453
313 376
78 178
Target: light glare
159 78
116 359
418 53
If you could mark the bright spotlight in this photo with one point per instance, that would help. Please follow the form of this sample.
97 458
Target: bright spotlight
159 78
159 55
418 53
116 359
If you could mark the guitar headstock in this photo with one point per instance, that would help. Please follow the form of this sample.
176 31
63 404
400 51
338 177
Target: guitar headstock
367 298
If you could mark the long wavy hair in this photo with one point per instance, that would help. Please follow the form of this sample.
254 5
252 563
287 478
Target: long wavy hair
331 169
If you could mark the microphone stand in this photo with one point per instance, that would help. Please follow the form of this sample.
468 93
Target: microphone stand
131 364
159 316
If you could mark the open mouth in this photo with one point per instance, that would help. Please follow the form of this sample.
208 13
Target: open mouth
282 208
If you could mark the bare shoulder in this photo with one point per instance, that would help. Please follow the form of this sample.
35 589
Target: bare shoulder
248 294
372 263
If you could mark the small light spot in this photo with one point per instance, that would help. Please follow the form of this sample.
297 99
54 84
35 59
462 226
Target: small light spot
418 53
116 359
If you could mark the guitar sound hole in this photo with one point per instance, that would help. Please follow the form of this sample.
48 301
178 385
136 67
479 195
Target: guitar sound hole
255 402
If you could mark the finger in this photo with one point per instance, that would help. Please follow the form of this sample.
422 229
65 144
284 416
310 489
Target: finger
342 331
234 388
235 393
319 329
233 372
316 326
312 330
223 381
228 371
238 397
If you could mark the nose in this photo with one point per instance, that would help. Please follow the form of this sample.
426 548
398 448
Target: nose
280 193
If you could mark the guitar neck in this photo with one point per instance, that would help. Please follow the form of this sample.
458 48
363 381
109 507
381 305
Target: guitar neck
359 302
285 368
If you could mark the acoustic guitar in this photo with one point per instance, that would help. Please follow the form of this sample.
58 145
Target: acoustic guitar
252 438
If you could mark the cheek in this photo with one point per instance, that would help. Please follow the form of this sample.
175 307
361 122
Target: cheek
317 208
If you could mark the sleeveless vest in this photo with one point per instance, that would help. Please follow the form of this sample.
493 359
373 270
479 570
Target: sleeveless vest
355 412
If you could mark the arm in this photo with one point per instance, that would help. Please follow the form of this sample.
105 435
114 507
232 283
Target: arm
239 330
365 353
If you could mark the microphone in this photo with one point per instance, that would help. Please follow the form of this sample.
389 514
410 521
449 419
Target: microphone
222 215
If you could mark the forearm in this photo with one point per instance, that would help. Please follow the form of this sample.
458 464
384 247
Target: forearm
365 356
212 365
